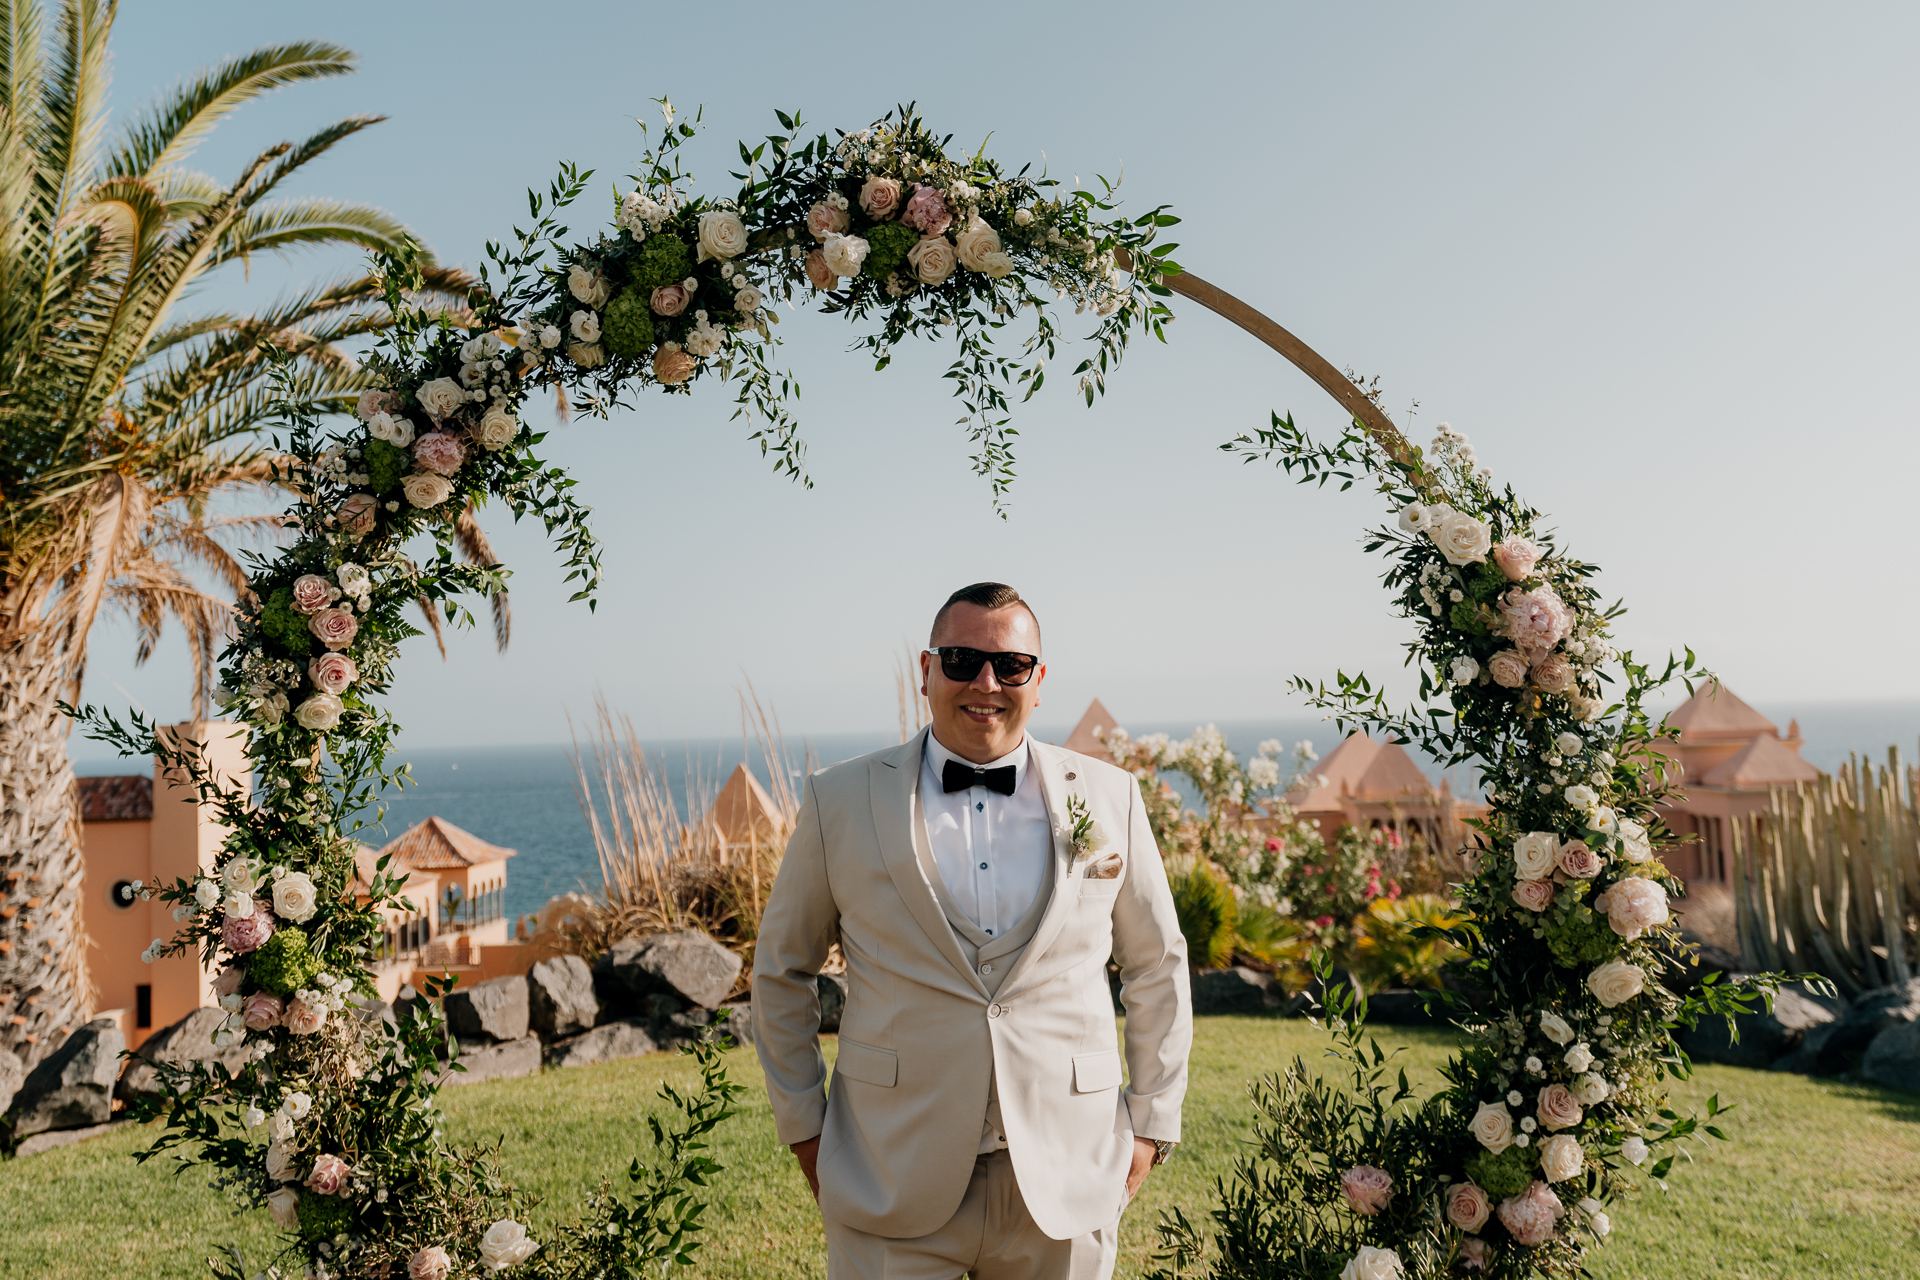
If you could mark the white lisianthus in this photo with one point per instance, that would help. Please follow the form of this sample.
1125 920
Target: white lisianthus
722 235
253 1118
296 1105
280 1126
206 893
1373 1264
1414 518
294 897
1592 1089
704 339
1580 1057
1634 1149
240 905
1569 744
549 337
1582 797
1634 844
392 428
585 326
1555 1028
354 580
1465 670
1603 820
844 255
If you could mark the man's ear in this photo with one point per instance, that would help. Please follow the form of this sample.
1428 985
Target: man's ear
926 660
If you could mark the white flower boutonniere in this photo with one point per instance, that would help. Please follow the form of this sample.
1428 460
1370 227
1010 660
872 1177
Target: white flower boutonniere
1086 836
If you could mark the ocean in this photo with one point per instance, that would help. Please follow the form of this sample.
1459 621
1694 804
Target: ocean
527 798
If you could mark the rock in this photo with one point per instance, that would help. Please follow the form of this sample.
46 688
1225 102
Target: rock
506 1060
1403 1007
611 1040
1893 1059
1837 1046
73 1086
1235 990
833 1000
736 1020
188 1040
687 964
1311 1002
372 1012
64 1138
1764 1037
496 1009
11 1074
660 1007
560 999
405 1000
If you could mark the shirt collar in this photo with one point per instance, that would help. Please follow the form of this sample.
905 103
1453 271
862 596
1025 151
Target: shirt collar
1019 758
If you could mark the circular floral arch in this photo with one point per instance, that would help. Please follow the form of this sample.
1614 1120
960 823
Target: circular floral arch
331 1125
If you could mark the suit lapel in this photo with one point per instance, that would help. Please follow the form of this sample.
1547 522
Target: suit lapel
903 848
1066 881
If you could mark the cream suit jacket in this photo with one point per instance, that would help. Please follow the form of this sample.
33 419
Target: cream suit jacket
924 1037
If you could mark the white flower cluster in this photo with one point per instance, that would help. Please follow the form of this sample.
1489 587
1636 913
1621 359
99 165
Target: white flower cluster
641 215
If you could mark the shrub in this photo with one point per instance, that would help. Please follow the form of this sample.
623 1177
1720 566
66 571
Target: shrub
1396 943
1208 915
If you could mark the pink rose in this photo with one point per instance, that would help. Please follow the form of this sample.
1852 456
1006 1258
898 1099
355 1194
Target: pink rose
332 672
880 197
1473 1253
357 514
247 932
1554 674
334 628
430 1263
372 402
311 594
824 220
1508 668
1534 620
819 274
330 1174
1530 1217
1635 905
1558 1108
228 980
1578 861
304 1019
1516 557
672 367
927 211
440 452
669 300
1368 1189
1468 1206
1534 895
261 1012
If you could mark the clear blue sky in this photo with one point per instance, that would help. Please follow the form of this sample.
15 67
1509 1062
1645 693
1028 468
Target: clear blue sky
1657 261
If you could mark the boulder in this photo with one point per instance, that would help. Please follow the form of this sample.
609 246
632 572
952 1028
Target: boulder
1763 1037
1311 1001
560 999
833 1000
1404 1007
1235 990
1838 1046
1893 1059
73 1086
505 1060
54 1138
496 1009
611 1040
660 1007
687 964
11 1074
188 1040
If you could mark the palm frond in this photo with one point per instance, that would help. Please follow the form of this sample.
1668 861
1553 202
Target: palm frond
169 131
296 224
22 60
74 98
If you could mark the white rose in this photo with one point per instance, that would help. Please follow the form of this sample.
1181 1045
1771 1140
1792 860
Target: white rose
1555 1028
1373 1264
424 489
1634 844
844 254
1616 982
1634 1149
497 429
1582 797
1535 855
549 337
1414 518
585 326
294 897
322 711
1569 744
588 355
506 1241
1596 1216
392 428
974 244
1462 539
206 893
1561 1157
1592 1089
1492 1127
441 397
996 266
297 1105
747 301
284 1204
240 905
253 1118
933 260
588 286
722 235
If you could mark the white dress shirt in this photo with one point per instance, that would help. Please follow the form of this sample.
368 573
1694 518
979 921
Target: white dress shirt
991 850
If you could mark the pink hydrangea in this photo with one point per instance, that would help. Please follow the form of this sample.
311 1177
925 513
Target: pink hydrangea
247 932
440 452
1516 557
927 211
330 1174
1368 1189
1530 1217
1534 620
261 1012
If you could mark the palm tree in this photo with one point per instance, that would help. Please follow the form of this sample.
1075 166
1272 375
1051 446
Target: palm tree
124 422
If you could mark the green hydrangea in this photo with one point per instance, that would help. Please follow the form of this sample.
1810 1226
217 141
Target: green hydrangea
1503 1175
662 260
1578 936
324 1217
627 327
284 964
887 246
282 625
385 465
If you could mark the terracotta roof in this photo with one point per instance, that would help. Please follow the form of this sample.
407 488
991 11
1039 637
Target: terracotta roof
1082 739
126 798
743 811
365 868
1363 769
438 845
1714 712
1764 762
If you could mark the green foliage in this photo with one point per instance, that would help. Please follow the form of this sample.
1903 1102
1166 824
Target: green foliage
1205 905
888 245
282 625
662 260
324 1217
1506 1174
627 328
1402 942
284 963
386 464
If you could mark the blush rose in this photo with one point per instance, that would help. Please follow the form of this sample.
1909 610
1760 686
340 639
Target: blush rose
824 220
334 628
1508 668
329 1176
311 593
1559 1109
1368 1189
1534 895
1468 1206
261 1012
332 672
1579 861
819 274
880 197
1516 557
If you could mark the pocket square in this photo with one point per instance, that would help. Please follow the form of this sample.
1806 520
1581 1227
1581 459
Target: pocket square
1107 868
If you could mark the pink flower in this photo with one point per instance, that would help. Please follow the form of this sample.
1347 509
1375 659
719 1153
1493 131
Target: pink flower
1558 1108
819 274
440 452
1578 861
261 1012
332 672
1467 1206
1530 1217
330 1174
1534 620
304 1019
311 593
824 220
1553 674
334 628
1368 1189
927 211
430 1263
357 514
1534 895
228 980
672 367
1508 668
372 402
247 932
880 197
1473 1253
1516 557
1635 905
669 300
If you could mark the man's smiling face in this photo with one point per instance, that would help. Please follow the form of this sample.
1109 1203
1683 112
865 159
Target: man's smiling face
982 719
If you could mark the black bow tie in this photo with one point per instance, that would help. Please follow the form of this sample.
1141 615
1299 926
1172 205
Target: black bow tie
957 775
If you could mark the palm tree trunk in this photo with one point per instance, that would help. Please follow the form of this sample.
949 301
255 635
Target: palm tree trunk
44 986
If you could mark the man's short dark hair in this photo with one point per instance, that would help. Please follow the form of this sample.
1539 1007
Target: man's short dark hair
988 595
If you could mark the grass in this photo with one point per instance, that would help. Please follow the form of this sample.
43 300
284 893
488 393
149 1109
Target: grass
1821 1180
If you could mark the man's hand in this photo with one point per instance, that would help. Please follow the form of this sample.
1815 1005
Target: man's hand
1143 1154
808 1154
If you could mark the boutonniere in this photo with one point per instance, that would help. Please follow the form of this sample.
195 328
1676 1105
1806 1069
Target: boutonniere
1084 835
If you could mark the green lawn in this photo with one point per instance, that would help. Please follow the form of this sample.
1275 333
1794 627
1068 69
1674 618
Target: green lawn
1821 1179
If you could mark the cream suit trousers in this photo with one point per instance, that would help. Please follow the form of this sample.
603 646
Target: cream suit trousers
990 1237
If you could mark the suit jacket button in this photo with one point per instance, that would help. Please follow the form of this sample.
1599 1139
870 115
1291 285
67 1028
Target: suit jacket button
986 968
994 1011
1070 777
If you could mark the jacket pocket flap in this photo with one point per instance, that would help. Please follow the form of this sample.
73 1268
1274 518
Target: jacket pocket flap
1093 1072
867 1064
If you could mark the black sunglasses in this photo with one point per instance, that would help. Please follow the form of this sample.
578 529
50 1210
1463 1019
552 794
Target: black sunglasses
961 664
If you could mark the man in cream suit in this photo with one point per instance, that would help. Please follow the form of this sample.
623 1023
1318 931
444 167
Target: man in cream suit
977 882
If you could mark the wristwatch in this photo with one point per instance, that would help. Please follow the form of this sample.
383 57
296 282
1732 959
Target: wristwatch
1162 1149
